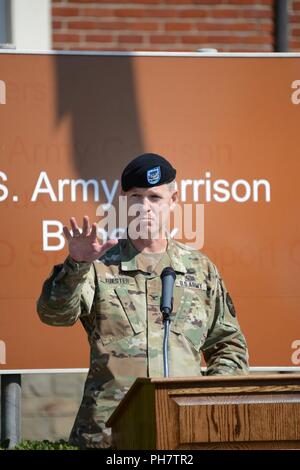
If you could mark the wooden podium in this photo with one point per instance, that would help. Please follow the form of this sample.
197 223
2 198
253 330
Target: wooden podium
221 412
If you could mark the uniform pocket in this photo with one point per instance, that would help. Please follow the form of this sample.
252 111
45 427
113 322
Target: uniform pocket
116 316
191 317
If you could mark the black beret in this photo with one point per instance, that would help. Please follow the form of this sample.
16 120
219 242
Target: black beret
146 171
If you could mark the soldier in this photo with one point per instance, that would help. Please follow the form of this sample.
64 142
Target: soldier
114 290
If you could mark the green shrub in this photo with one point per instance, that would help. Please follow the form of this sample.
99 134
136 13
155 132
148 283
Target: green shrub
41 445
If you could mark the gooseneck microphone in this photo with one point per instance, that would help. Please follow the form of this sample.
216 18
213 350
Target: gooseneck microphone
168 277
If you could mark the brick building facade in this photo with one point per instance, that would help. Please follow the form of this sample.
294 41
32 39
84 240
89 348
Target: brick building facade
170 25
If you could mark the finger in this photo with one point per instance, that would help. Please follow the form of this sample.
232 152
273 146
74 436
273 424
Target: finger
93 233
67 233
86 225
75 228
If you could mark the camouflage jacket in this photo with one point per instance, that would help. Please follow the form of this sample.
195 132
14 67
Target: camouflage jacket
118 303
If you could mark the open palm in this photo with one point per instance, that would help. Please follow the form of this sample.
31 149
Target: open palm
85 246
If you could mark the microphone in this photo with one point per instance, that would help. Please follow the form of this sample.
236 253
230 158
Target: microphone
168 277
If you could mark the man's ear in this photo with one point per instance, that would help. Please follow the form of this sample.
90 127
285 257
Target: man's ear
174 200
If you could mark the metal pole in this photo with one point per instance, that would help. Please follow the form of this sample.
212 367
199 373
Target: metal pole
11 409
165 346
281 26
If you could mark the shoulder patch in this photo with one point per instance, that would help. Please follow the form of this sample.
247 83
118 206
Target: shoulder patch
230 305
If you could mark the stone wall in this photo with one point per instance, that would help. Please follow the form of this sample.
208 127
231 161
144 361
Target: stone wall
49 404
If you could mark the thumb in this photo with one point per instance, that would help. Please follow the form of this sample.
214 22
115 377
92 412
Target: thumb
107 245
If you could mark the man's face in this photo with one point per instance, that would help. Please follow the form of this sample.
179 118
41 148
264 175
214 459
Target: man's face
149 210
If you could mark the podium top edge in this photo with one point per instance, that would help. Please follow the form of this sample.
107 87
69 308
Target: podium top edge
154 53
253 370
219 378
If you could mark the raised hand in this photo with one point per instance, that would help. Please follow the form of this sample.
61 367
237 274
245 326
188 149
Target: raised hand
85 246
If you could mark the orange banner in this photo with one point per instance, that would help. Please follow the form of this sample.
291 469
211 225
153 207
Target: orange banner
229 125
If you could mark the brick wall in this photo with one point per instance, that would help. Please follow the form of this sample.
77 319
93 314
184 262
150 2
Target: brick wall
169 25
294 25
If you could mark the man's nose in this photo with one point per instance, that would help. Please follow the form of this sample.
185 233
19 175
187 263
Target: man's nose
146 204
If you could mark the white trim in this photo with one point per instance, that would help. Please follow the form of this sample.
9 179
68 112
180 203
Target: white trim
31 24
157 53
275 369
76 371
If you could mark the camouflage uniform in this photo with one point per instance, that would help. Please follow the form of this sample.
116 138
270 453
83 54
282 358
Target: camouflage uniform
118 303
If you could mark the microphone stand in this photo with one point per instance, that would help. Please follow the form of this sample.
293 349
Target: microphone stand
168 277
166 321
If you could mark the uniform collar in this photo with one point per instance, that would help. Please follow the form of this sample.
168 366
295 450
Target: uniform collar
130 255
